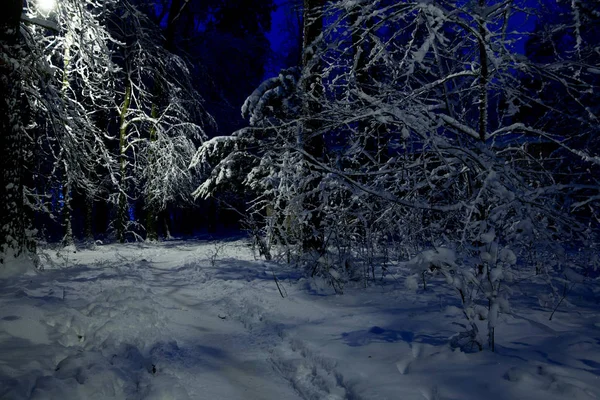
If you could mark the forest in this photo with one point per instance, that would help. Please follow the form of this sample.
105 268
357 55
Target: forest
445 149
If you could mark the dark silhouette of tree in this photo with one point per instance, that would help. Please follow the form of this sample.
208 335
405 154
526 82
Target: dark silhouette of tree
13 142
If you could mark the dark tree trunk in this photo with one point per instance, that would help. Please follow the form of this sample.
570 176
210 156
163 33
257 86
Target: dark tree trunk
483 77
152 211
311 138
175 12
9 20
14 220
374 133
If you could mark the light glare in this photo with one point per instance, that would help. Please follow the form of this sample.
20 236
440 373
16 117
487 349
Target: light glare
46 6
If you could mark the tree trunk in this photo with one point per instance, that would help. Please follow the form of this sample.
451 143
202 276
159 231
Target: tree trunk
9 20
175 12
67 213
310 139
14 222
375 133
89 216
151 209
67 187
484 75
122 212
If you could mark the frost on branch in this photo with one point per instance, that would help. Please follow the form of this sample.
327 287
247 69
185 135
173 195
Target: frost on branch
272 97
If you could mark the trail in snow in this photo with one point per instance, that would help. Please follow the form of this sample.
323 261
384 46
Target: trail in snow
144 322
204 320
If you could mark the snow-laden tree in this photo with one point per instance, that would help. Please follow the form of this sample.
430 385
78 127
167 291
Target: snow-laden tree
279 100
443 99
254 160
160 120
79 52
15 239
67 75
60 76
428 148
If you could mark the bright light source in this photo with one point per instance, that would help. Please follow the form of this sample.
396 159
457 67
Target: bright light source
46 6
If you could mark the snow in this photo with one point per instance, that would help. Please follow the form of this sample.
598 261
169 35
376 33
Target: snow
428 258
205 320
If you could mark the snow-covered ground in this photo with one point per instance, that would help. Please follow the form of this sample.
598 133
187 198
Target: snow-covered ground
205 320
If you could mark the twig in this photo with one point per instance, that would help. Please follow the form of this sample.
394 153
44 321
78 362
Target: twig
278 287
564 295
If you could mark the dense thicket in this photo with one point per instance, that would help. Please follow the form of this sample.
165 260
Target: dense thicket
422 133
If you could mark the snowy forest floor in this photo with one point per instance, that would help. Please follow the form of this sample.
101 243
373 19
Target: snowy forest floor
205 320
